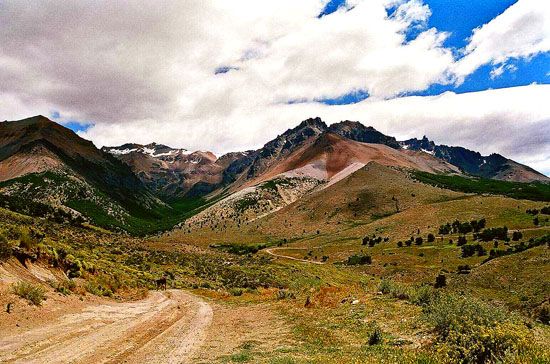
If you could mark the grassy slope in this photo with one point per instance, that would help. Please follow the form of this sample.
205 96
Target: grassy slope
536 191
98 207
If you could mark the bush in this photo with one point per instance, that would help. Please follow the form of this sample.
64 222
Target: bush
385 286
27 240
418 240
470 331
98 290
74 266
284 294
461 241
375 334
35 294
236 291
431 238
394 289
470 250
517 235
359 259
423 295
440 281
5 248
493 233
64 287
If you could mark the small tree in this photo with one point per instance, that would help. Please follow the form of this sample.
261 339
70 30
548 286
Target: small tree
440 281
431 238
408 242
461 240
400 244
517 235
418 240
536 221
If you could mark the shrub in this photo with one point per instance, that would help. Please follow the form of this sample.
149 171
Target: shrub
440 281
470 250
375 334
97 289
431 238
394 289
236 291
470 331
35 294
542 313
284 294
517 235
423 295
64 287
74 266
418 240
400 244
27 240
359 259
461 240
385 286
493 233
5 248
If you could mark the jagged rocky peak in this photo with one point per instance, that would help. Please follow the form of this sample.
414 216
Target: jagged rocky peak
418 144
355 130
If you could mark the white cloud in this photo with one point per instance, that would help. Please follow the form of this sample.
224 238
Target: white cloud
145 71
512 121
498 71
521 31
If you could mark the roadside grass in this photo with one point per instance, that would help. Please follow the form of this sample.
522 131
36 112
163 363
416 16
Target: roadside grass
34 294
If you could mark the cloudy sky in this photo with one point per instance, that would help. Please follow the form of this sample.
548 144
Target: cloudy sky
230 75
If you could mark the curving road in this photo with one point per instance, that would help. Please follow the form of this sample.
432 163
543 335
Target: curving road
166 327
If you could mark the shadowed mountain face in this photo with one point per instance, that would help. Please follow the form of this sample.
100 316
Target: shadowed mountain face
44 162
492 166
37 137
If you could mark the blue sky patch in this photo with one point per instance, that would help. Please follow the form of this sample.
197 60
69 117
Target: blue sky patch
349 98
331 7
74 125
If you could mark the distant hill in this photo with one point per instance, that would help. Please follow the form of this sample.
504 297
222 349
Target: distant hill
45 162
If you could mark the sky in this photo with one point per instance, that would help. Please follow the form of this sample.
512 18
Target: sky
231 75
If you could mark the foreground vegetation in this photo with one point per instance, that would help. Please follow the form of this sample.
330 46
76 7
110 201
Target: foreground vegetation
455 280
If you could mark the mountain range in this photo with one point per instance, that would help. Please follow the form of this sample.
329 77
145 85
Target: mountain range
142 184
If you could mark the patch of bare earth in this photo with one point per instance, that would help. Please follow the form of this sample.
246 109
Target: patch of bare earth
233 326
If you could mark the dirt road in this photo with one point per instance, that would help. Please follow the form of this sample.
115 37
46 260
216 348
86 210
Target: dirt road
166 327
271 251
